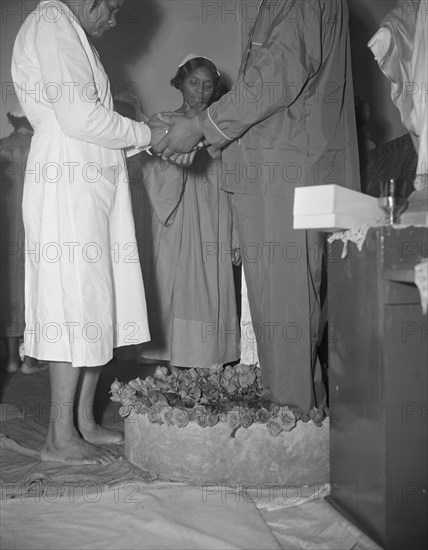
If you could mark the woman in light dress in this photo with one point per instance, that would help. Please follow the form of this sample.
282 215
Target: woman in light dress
190 285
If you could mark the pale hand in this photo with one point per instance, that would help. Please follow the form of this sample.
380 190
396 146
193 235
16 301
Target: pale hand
183 136
159 126
182 159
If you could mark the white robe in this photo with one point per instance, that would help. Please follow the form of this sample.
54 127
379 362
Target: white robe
400 47
84 291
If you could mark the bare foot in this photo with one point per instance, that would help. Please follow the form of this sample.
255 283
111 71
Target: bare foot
12 366
76 451
31 365
98 435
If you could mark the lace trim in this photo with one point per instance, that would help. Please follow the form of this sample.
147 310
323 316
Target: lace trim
357 236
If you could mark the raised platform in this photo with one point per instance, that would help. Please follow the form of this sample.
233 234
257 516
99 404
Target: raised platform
209 455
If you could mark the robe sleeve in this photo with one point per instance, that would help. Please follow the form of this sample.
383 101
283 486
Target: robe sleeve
277 71
70 87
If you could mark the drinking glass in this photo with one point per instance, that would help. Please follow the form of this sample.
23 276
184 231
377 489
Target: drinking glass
392 200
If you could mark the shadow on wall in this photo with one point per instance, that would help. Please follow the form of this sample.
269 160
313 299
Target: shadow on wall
122 46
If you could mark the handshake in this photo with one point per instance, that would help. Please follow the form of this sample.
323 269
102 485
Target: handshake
177 137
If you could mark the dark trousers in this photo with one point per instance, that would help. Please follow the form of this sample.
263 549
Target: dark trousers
283 271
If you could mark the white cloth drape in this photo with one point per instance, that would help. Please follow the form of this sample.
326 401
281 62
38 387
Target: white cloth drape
400 47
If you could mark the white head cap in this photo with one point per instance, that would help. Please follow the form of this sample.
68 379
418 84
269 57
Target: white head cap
194 56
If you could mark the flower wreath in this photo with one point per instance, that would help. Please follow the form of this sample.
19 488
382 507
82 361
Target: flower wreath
233 394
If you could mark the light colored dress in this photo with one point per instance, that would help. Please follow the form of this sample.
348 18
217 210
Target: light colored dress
189 271
83 284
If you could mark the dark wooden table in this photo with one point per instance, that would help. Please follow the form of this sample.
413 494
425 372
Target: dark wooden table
378 386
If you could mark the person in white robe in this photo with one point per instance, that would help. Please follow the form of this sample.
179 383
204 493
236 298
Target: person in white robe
84 292
400 47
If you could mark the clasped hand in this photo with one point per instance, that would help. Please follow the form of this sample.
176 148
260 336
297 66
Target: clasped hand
176 137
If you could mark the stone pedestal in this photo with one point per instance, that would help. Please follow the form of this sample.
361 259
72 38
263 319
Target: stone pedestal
209 455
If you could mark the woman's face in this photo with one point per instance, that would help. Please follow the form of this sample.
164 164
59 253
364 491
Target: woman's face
198 87
102 18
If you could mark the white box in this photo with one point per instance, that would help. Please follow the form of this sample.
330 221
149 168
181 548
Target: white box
334 208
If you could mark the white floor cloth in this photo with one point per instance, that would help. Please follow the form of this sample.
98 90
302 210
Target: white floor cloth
129 516
51 506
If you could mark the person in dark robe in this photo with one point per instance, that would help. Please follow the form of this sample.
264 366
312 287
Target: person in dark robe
287 122
13 158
